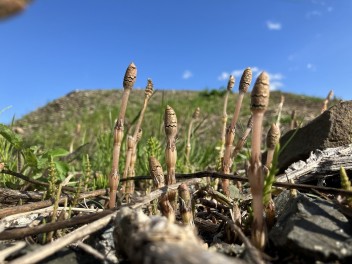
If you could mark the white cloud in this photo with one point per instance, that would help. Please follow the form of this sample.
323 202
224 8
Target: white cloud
223 76
273 25
187 74
311 67
237 73
314 13
275 78
275 85
255 69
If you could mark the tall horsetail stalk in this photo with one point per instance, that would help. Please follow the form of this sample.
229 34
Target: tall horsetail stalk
230 131
170 121
327 100
114 177
132 171
131 156
195 116
230 85
259 103
129 148
273 147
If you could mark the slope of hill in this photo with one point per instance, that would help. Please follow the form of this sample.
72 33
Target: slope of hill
55 125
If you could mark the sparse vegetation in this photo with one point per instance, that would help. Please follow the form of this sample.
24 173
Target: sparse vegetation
82 152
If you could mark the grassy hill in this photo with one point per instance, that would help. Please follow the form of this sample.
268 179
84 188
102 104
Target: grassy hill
94 112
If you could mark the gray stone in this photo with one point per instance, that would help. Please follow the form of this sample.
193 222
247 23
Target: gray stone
311 228
329 130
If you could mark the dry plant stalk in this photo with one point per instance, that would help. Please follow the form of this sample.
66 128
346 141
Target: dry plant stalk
243 139
131 171
137 135
279 110
259 103
75 136
185 204
230 85
230 131
114 177
272 140
170 122
130 145
195 116
327 100
294 123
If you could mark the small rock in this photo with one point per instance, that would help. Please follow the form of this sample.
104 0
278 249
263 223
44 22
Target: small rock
329 130
311 228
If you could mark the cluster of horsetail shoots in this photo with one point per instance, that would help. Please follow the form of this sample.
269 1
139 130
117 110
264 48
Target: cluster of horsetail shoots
230 131
230 85
327 100
114 177
131 155
259 103
195 116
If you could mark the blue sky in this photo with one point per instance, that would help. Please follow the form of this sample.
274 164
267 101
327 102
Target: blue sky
58 46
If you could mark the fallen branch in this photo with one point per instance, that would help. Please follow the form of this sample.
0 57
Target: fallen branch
42 204
9 196
74 236
19 233
320 165
212 174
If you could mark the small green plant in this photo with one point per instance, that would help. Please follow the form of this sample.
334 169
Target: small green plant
346 184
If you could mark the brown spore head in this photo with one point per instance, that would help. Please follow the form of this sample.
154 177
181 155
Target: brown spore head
246 80
273 136
260 93
130 76
149 89
231 83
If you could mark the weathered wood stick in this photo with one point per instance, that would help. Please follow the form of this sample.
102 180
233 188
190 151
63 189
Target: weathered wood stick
19 233
9 196
37 205
212 174
53 247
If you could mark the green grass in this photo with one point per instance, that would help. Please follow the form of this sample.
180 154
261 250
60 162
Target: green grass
54 126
